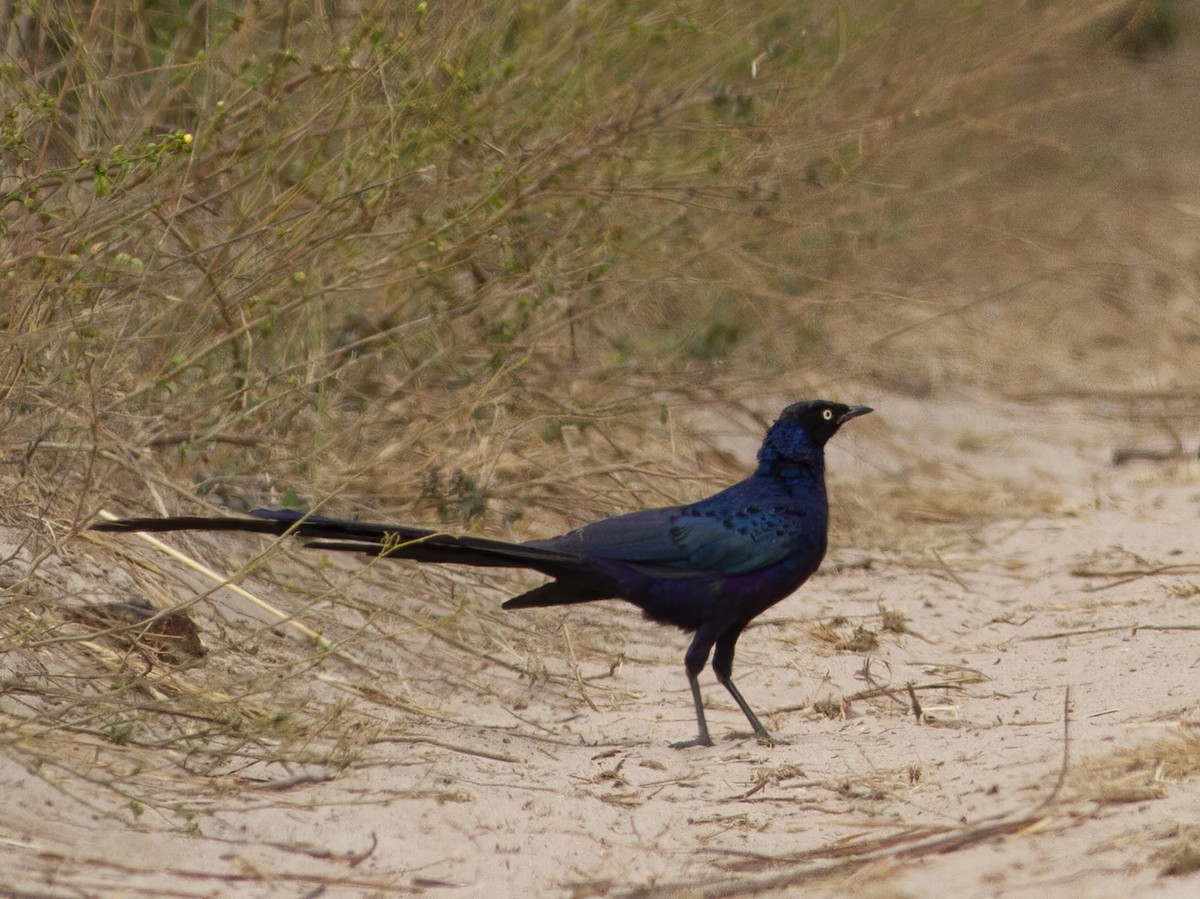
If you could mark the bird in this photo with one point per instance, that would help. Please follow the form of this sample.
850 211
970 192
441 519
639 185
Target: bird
707 567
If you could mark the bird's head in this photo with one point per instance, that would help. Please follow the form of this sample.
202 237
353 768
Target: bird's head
820 419
802 430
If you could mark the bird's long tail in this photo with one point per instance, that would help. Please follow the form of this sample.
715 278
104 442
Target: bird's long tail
584 579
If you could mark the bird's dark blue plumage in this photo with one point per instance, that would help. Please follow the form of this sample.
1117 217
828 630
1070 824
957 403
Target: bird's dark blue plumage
708 567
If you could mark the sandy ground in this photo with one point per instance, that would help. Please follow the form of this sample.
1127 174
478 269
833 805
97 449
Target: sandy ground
1053 653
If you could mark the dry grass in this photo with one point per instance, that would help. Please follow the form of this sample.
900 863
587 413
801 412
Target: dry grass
1127 776
495 268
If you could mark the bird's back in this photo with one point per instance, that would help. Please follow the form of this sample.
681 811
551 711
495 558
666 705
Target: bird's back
731 555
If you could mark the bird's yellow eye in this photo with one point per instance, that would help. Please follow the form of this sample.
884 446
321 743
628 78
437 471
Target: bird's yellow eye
827 414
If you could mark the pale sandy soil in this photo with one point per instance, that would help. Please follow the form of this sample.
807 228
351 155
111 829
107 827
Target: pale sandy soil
1041 602
1058 751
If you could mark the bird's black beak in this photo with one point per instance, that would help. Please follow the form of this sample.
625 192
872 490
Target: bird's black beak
853 412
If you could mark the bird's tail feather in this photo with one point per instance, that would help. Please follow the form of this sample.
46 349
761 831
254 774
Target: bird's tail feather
191 523
390 541
555 593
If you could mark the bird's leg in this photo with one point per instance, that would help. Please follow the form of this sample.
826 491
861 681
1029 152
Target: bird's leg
702 738
759 731
723 668
694 661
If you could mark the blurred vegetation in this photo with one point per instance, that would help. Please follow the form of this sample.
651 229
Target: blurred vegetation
246 227
489 262
347 243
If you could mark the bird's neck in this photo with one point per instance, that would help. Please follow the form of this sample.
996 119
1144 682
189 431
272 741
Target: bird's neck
787 454
795 475
796 470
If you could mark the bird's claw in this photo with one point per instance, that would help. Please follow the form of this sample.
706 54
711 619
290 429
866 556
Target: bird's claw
696 741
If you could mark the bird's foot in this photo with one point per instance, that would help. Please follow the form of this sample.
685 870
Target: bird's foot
704 740
763 739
